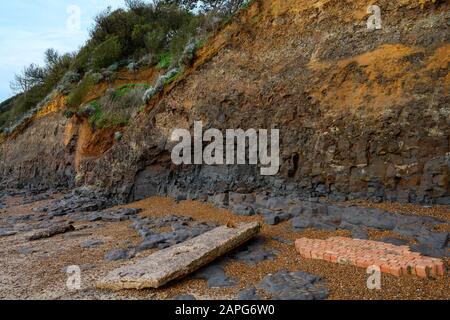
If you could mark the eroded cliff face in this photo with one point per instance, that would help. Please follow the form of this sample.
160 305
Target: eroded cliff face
362 114
38 157
47 153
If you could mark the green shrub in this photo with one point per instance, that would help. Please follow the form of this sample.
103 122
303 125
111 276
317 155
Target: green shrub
200 44
82 59
6 108
106 53
96 116
76 97
22 104
164 26
154 40
165 60
4 118
56 67
116 108
126 89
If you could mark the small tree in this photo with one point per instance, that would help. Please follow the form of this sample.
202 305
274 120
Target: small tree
31 76
56 66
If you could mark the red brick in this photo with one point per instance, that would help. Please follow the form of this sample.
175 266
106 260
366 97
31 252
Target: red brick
395 270
395 260
440 268
421 271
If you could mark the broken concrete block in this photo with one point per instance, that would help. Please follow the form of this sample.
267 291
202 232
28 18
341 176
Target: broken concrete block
178 261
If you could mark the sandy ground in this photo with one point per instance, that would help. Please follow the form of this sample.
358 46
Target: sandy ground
39 272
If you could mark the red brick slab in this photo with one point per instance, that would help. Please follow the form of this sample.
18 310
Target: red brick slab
392 259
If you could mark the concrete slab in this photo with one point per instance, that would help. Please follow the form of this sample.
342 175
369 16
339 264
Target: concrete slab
179 261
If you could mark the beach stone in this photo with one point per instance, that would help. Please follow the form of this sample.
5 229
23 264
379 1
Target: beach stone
88 244
220 200
80 200
216 277
26 250
335 212
299 223
243 210
411 230
180 260
299 285
296 210
277 217
253 253
240 198
304 222
443 201
261 201
436 240
431 251
248 294
7 232
278 203
311 209
119 254
372 218
181 197
394 241
183 229
115 215
319 224
360 233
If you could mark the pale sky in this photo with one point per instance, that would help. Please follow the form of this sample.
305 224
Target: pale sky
29 27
